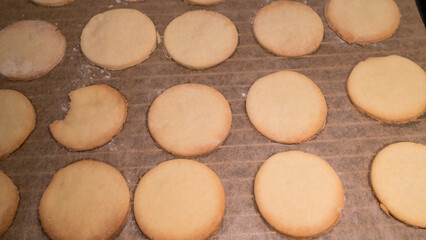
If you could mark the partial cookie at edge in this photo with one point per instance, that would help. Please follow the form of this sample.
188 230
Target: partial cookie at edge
9 200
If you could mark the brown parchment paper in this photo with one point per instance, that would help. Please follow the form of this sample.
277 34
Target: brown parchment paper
349 140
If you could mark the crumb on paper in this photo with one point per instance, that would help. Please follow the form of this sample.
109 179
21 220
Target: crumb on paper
243 94
64 107
112 146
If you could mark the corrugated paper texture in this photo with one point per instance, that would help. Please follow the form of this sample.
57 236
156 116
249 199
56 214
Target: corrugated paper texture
349 141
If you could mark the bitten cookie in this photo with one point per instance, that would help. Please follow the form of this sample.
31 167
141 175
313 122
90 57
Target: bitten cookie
52 3
362 21
97 113
9 199
85 200
288 28
286 107
391 89
179 199
204 2
17 120
398 177
200 39
29 49
299 194
190 119
118 39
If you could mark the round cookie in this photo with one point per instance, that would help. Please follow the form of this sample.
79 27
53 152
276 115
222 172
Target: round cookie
204 2
85 200
200 39
362 21
398 178
52 3
299 194
179 199
29 49
17 120
190 119
97 113
391 89
288 28
9 199
286 107
118 39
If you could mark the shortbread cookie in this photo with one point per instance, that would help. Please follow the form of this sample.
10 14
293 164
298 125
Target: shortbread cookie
200 39
118 39
286 107
29 49
85 200
179 199
97 113
52 3
204 2
190 119
391 89
398 177
288 28
299 194
362 21
17 120
9 199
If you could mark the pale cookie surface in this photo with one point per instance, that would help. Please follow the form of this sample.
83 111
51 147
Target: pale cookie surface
200 39
190 119
299 194
17 120
9 199
29 49
97 113
118 39
286 107
179 199
204 2
288 28
391 89
398 177
85 200
52 3
362 21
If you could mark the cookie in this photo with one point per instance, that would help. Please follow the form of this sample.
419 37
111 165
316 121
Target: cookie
97 113
29 49
286 107
52 3
204 2
391 89
85 200
362 21
118 39
190 119
288 28
179 199
9 199
299 194
17 120
200 39
398 178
